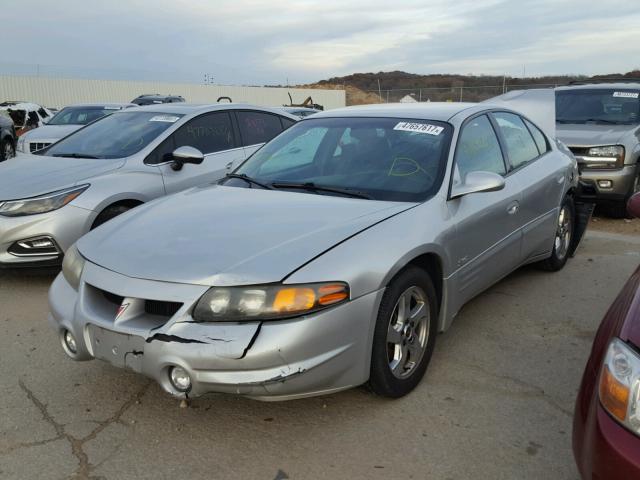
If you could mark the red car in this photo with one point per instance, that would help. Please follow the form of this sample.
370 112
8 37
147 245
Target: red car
606 424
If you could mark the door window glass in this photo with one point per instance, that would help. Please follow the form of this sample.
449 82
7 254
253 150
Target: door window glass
478 148
208 133
258 127
520 145
538 136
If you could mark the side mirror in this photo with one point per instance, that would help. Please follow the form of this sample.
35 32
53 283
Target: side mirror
182 155
633 205
475 182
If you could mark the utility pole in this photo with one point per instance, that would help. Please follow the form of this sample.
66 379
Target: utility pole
379 90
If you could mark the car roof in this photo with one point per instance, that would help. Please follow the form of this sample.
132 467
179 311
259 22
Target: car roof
192 108
602 86
98 105
156 95
442 111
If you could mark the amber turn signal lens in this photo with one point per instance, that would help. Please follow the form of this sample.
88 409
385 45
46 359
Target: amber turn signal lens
330 294
613 395
294 300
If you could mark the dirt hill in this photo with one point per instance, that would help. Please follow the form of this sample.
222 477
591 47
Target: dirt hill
363 88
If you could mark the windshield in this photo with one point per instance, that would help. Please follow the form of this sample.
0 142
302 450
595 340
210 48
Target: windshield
117 135
380 158
80 115
607 106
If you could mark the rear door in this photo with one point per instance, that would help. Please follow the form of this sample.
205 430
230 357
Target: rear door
541 176
211 133
485 245
256 128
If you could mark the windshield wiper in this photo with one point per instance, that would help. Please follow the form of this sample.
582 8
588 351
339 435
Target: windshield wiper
74 155
248 179
312 187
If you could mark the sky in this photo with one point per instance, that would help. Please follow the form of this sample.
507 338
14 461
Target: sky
278 41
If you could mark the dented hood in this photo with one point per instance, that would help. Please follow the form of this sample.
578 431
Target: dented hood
218 235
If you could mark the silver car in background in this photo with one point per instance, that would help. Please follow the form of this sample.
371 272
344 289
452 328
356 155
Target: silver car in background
332 257
50 199
64 122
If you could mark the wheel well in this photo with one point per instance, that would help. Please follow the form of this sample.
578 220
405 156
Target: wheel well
431 263
129 203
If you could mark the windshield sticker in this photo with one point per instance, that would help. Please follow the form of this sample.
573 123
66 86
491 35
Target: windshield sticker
626 94
164 118
112 108
419 128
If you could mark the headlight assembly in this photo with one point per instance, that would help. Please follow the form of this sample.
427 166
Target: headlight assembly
42 204
72 266
620 385
610 156
267 302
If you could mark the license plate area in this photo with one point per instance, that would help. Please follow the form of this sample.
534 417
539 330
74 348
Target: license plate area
119 349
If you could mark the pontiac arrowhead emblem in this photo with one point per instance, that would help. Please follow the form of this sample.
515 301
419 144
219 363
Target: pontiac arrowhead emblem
121 309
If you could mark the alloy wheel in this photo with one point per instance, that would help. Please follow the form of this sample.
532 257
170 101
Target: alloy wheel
408 332
563 232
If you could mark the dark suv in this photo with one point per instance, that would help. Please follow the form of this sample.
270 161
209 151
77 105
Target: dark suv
600 123
8 137
156 98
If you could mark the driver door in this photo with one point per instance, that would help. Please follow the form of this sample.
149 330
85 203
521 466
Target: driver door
212 134
485 244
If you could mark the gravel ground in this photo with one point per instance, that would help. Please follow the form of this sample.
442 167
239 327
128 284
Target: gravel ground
496 402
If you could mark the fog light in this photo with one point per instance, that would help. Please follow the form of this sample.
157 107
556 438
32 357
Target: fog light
605 183
70 342
180 379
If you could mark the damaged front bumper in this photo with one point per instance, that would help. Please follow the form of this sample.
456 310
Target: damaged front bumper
146 326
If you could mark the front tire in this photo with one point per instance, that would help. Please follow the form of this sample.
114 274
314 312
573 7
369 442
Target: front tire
405 333
563 237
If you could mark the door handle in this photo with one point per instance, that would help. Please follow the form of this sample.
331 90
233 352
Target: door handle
513 208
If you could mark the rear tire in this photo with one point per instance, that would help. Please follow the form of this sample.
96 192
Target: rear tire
7 150
405 333
563 237
109 213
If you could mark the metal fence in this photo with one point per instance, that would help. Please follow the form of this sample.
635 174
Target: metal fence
453 93
58 92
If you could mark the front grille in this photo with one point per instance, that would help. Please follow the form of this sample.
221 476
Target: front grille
113 298
152 307
35 146
164 309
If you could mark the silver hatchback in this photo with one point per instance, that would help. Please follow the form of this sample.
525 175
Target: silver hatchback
49 200
332 257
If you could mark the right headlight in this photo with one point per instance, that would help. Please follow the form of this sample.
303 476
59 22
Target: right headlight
620 385
267 302
72 266
608 156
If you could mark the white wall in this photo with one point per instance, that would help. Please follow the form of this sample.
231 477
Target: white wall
58 92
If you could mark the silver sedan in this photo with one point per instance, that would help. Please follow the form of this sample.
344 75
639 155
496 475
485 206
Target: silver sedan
49 200
331 258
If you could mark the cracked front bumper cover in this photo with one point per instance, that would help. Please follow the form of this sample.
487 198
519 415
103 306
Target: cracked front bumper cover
276 360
